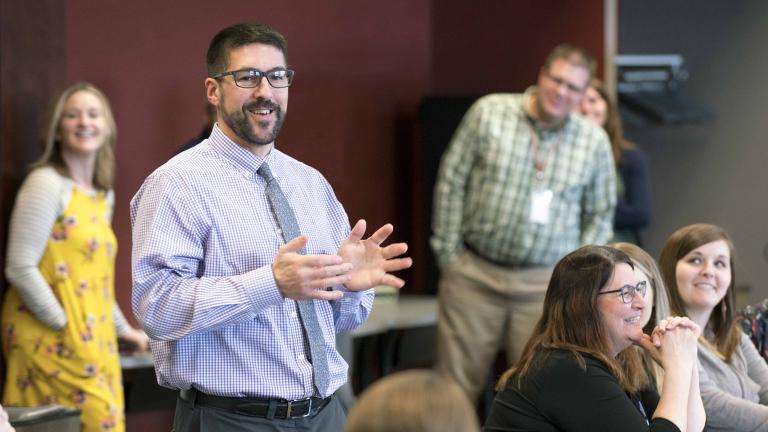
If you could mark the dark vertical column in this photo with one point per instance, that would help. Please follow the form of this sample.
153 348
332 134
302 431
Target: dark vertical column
31 69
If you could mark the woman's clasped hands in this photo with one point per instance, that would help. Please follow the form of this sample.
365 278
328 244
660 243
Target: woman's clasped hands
674 339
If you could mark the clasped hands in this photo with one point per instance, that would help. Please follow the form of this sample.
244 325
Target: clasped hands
359 264
673 338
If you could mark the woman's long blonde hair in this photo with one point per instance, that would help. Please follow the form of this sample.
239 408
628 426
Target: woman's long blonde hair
104 171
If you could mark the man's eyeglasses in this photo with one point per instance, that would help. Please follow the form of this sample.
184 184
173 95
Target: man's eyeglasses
250 78
559 82
627 292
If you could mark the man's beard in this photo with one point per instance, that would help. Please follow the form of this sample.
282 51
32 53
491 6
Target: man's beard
241 125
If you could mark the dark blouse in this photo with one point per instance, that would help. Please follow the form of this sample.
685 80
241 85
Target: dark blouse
633 208
558 395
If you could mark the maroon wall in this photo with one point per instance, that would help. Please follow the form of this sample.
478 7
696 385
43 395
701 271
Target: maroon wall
506 41
361 68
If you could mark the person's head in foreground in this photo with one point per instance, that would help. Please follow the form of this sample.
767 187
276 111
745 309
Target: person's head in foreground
413 401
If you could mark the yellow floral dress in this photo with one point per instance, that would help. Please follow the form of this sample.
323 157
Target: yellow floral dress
78 366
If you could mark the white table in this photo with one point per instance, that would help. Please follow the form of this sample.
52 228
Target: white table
405 312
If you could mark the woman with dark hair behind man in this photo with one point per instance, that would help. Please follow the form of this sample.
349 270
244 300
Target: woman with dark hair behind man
633 207
570 377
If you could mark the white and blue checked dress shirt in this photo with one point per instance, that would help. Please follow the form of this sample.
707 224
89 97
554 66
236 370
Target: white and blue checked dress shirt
204 239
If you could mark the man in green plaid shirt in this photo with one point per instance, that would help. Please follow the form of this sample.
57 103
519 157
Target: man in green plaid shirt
524 181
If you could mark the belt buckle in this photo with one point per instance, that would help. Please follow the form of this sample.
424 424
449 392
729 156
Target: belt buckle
290 408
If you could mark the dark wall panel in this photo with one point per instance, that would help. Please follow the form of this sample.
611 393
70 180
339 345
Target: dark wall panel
31 68
712 172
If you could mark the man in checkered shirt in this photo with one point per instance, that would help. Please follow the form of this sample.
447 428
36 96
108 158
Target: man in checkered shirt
524 181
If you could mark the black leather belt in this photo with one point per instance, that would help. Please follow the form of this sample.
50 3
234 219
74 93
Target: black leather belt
258 407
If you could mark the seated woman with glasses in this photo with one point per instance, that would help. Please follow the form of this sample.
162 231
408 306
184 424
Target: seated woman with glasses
697 265
570 376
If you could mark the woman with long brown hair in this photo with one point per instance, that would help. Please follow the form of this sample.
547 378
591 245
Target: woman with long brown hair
697 265
570 376
633 207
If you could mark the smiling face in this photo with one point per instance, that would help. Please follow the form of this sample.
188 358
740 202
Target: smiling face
251 117
622 322
703 276
560 89
83 126
594 107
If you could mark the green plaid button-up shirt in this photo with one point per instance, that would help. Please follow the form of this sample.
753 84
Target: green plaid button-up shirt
487 176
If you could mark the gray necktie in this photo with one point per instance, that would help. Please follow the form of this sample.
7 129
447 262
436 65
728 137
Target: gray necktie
286 219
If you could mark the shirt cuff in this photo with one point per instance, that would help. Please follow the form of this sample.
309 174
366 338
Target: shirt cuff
352 299
261 288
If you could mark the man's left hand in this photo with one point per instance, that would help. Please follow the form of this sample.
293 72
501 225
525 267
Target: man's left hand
373 264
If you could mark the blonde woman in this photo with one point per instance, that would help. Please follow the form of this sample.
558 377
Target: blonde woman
60 321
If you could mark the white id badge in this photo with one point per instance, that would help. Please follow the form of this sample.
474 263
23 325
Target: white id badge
540 202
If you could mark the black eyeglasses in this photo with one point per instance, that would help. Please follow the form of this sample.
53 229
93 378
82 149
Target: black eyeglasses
627 292
250 78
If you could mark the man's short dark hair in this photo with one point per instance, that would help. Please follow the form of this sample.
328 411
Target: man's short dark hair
572 54
240 35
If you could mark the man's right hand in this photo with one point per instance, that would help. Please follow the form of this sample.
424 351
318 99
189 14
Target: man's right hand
302 277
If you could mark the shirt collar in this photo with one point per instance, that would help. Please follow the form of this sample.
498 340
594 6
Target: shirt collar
242 159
